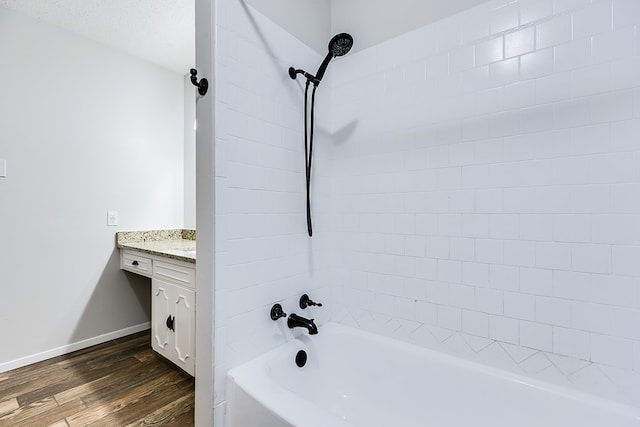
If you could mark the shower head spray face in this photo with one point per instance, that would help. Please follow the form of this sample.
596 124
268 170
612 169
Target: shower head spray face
341 44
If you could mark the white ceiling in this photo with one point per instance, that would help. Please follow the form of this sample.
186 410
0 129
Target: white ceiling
160 31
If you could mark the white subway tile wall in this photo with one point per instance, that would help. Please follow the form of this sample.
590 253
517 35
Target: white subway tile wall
477 193
486 189
263 254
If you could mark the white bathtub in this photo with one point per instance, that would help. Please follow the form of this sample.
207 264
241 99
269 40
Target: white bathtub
357 379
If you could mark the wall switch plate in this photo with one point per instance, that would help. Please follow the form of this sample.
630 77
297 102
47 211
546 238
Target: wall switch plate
112 218
3 168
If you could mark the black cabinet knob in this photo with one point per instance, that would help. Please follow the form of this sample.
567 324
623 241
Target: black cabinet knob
171 320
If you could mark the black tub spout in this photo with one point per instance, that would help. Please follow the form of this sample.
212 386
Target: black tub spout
295 321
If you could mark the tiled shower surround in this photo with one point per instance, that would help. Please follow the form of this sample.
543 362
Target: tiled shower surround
476 189
487 189
263 254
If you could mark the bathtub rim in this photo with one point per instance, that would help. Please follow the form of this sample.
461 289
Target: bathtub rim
253 380
245 376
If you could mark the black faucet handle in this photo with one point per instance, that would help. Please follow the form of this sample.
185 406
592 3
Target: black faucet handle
305 302
277 312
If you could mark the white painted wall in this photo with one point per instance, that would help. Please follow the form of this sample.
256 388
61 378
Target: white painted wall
487 194
307 20
262 252
374 21
84 129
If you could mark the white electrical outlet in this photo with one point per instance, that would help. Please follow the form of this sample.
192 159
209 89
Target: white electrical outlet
3 168
112 218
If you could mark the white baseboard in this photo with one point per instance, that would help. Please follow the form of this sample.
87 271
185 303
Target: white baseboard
79 345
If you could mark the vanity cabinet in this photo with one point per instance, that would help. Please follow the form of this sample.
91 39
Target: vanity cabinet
173 322
173 299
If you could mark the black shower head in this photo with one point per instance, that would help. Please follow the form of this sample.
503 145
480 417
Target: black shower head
339 45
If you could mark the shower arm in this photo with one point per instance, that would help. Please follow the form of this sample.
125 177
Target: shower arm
293 73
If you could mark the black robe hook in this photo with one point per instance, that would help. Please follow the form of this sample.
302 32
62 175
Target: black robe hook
202 86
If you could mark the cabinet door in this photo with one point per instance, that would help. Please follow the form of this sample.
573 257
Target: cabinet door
161 335
173 325
183 301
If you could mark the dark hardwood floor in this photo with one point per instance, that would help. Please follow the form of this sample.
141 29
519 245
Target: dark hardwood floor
119 383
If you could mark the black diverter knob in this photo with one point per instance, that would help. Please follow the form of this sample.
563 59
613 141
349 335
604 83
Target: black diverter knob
305 302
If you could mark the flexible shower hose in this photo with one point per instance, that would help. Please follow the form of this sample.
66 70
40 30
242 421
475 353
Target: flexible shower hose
308 148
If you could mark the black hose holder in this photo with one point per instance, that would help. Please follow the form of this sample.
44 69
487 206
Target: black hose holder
202 85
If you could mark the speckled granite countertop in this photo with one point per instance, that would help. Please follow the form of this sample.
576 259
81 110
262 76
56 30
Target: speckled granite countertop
175 244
